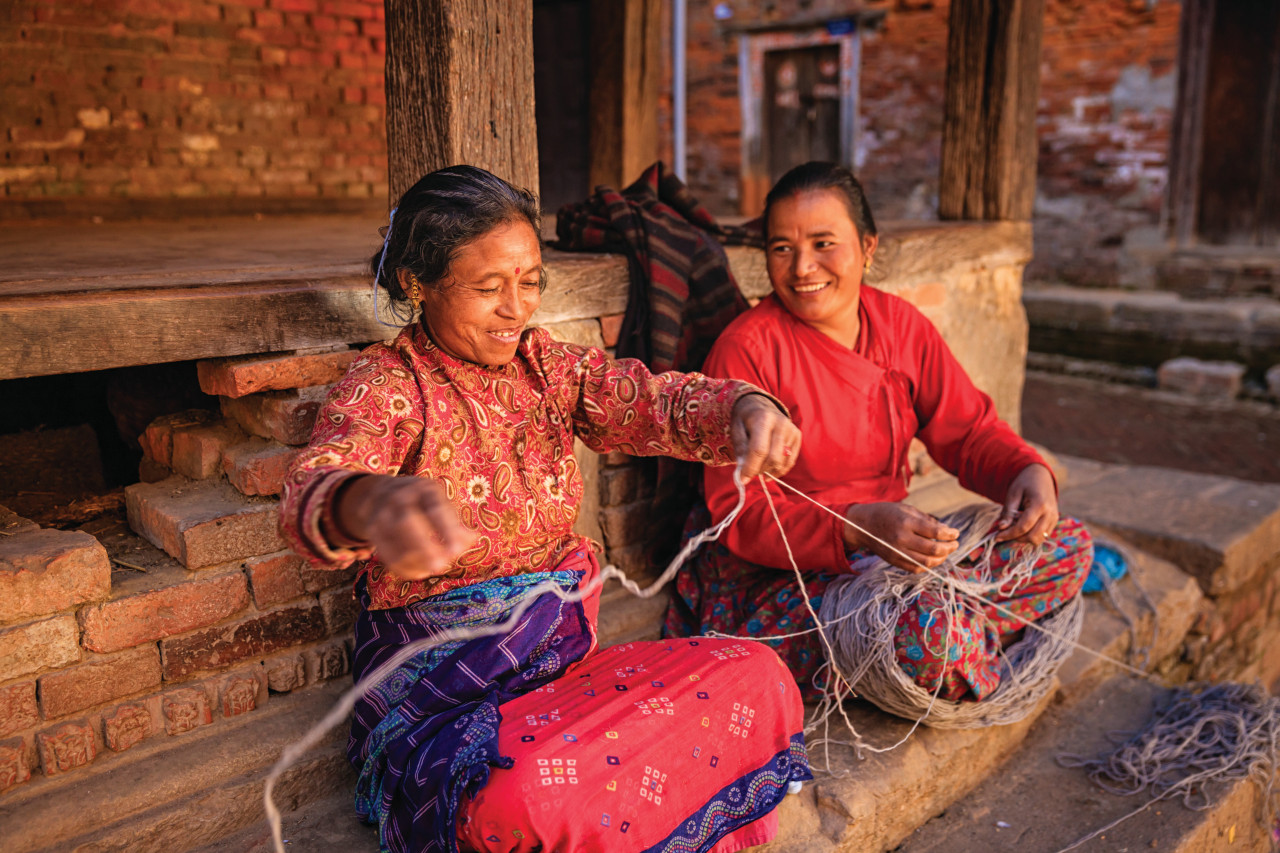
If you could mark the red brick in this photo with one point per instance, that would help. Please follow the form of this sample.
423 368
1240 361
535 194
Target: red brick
44 571
154 615
27 649
127 726
67 747
285 416
610 327
197 450
185 709
157 438
99 680
13 764
202 522
625 525
286 673
217 648
151 471
258 467
18 708
237 377
277 578
239 695
326 662
340 608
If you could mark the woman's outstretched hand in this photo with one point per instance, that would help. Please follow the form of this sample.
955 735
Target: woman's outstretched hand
407 520
1030 508
917 534
764 439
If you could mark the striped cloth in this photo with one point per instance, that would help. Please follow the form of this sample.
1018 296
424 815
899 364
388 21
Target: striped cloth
682 292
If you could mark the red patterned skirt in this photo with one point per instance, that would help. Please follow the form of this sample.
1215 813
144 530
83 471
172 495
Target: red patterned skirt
645 746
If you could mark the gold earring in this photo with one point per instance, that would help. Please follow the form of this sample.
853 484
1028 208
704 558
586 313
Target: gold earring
414 291
866 268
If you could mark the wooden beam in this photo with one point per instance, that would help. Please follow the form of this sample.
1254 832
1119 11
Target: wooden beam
459 80
989 124
625 78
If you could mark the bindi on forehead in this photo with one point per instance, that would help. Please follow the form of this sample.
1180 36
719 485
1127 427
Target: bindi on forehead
517 270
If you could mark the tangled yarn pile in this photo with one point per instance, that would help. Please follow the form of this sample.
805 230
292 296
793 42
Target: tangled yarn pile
860 612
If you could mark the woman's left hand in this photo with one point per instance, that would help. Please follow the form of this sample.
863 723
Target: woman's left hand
764 439
1030 507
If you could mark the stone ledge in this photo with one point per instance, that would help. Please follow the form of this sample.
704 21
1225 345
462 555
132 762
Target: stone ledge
1223 531
1149 327
150 797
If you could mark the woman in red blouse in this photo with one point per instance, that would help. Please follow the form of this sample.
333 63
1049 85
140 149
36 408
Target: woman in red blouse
443 462
862 372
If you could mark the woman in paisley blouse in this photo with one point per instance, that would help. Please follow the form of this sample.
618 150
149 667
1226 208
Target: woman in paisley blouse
443 463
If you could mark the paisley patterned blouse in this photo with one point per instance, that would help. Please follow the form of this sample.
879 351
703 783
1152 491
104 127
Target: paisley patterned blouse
499 439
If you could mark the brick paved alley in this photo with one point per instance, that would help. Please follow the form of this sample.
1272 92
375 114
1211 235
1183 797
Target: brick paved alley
1127 424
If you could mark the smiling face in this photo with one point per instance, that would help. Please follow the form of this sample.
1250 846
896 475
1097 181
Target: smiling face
481 308
815 260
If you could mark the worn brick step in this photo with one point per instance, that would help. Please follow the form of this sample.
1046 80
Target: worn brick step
624 618
173 795
203 522
153 596
1223 531
1045 807
319 825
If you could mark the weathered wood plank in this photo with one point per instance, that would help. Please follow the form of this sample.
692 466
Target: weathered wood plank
459 81
988 132
76 332
156 317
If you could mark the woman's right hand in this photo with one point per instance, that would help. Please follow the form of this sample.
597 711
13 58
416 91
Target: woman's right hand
917 534
407 520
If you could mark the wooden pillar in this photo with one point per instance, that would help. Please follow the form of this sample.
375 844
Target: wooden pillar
459 79
989 126
626 73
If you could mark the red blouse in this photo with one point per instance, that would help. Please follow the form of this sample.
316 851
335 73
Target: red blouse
857 410
499 439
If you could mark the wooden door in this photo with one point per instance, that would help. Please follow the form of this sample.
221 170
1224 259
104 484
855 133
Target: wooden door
802 107
1240 166
560 78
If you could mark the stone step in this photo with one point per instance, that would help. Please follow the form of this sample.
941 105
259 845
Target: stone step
1223 531
1033 805
155 799
1150 327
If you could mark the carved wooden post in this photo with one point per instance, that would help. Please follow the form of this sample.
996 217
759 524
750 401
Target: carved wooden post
459 78
989 126
626 74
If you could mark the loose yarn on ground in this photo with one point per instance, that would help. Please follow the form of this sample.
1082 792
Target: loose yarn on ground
1201 733
861 610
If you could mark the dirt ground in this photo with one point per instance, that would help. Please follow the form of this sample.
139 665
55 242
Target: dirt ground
1131 425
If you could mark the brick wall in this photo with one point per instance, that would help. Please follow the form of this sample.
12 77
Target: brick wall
1107 81
228 104
114 635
